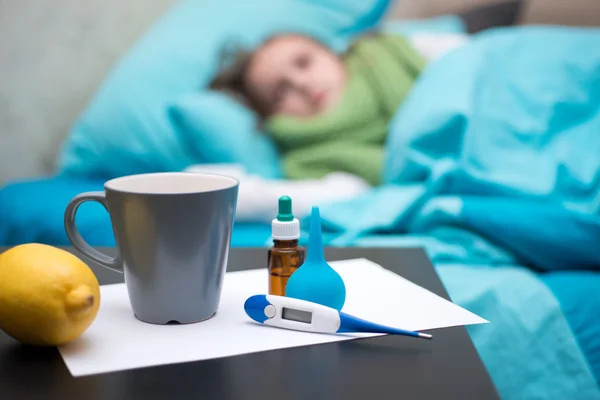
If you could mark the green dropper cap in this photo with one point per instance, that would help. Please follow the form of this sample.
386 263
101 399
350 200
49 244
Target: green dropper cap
285 209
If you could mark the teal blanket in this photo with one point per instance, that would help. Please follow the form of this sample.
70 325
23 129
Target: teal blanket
493 165
529 351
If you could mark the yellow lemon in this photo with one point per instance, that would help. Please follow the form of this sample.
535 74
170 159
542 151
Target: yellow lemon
48 296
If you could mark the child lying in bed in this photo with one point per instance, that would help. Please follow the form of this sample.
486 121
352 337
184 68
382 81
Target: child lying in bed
326 112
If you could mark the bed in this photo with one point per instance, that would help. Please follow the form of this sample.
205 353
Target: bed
514 243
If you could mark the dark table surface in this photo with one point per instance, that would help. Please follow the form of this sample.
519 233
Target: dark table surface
385 367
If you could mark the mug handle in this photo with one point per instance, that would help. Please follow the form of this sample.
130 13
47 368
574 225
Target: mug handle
113 263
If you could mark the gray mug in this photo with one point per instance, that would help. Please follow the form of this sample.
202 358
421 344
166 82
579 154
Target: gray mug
173 232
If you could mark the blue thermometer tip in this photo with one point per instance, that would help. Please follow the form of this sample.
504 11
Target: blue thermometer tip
394 331
349 323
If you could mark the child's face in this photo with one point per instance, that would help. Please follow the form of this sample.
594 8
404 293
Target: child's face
294 75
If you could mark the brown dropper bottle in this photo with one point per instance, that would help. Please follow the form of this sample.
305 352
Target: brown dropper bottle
286 256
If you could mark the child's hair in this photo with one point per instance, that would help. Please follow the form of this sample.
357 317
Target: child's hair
231 77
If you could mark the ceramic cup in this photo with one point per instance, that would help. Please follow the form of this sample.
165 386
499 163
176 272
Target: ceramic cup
173 232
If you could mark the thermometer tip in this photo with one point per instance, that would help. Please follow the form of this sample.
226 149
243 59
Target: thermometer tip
425 335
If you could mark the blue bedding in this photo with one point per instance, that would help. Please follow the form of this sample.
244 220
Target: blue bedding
493 166
579 298
500 136
33 211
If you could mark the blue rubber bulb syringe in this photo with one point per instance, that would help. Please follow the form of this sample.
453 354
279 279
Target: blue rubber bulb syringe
315 280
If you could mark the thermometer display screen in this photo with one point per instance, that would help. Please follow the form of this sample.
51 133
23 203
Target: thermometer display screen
296 315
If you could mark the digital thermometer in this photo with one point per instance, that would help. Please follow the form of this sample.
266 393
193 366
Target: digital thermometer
301 315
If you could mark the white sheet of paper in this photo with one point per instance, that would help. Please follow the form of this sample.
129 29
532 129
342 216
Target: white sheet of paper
118 341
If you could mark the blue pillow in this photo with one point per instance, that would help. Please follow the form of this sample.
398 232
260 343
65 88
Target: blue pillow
217 129
127 128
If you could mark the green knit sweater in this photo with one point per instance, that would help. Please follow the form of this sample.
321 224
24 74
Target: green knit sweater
350 137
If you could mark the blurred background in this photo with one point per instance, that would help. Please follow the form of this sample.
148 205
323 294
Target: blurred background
55 55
